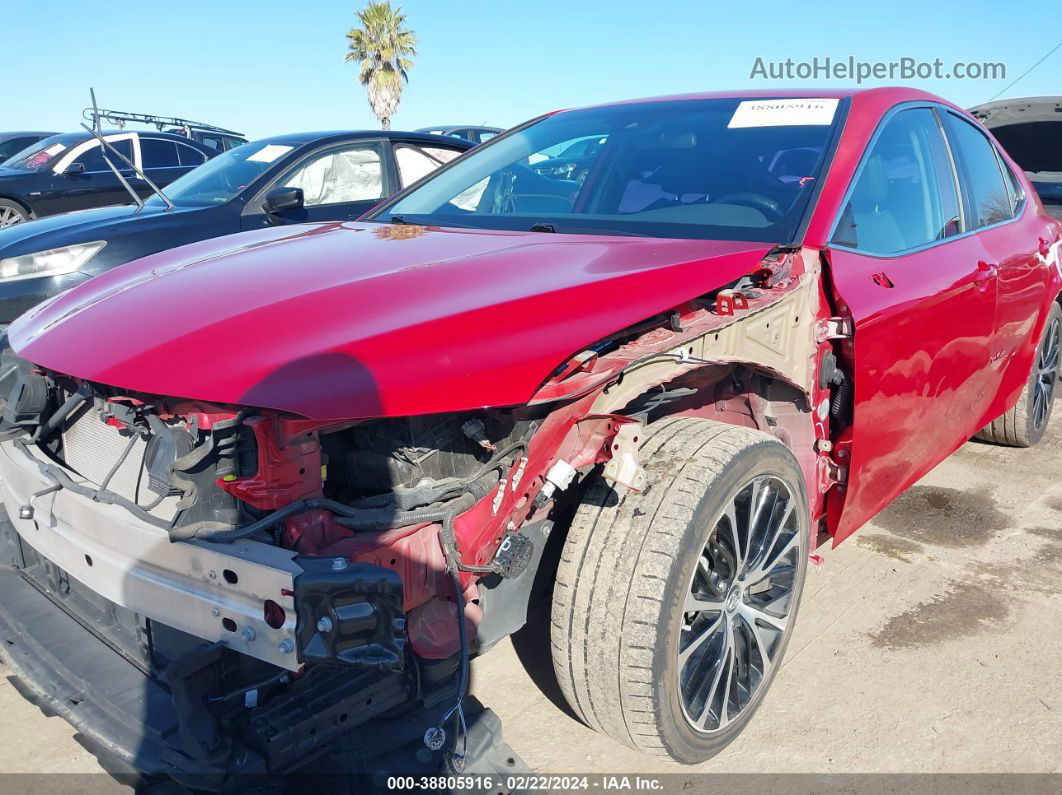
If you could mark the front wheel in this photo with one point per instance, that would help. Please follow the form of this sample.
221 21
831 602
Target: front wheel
672 608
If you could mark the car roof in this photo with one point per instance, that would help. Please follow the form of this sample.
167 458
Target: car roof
332 136
446 127
877 95
868 102
75 137
20 133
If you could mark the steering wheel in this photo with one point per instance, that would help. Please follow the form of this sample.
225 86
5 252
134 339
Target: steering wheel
757 201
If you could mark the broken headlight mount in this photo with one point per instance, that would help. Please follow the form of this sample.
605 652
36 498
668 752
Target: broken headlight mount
350 613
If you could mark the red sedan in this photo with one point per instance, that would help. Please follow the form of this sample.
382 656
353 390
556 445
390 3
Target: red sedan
653 380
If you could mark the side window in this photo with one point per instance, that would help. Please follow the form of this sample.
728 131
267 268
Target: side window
415 162
215 142
189 156
1014 188
904 193
984 191
93 160
485 135
156 153
350 174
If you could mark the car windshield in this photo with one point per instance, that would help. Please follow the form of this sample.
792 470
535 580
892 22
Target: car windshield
223 177
40 153
726 169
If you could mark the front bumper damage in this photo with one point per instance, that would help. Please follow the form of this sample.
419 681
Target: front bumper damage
211 591
203 662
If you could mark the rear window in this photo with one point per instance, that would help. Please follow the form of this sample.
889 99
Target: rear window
156 153
984 191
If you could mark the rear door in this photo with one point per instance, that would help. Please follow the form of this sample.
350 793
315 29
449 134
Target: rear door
921 291
1011 233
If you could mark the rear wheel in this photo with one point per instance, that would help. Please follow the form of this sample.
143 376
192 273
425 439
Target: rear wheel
1025 424
12 213
672 608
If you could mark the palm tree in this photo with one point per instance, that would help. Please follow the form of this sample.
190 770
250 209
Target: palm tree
383 47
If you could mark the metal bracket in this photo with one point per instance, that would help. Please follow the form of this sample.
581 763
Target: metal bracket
833 328
623 468
726 301
835 472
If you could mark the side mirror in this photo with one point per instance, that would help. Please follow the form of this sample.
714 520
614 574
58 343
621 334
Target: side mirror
280 199
74 169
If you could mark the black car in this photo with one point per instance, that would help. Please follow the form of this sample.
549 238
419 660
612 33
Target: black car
475 134
67 172
287 179
11 143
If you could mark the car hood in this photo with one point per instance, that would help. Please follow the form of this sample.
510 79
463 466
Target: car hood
1011 111
79 226
336 321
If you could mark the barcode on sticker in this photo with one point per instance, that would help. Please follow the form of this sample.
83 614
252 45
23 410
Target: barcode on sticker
783 112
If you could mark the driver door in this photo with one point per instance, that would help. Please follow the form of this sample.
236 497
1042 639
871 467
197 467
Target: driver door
340 183
923 301
95 184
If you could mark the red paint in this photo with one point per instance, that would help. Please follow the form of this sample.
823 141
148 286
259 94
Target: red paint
332 321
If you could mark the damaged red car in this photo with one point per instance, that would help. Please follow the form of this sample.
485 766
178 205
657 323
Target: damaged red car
279 487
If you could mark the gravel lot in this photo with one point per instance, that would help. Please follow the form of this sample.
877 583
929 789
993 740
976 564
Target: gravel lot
929 642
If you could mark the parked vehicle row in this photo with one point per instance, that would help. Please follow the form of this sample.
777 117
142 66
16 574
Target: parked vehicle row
69 172
286 179
296 477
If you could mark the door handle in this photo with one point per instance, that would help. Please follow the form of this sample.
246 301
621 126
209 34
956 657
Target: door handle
986 271
882 279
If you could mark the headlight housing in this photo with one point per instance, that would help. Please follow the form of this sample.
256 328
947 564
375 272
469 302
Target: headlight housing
53 262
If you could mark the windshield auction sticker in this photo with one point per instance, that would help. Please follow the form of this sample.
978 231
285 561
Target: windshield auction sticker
269 153
783 112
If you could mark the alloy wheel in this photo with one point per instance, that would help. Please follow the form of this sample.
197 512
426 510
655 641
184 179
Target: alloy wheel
9 216
739 602
1046 375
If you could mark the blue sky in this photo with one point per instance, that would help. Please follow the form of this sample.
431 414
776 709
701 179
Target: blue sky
266 67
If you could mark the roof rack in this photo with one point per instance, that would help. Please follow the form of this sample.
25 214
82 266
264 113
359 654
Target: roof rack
120 117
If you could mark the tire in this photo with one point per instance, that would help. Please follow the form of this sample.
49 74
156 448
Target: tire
1025 424
12 213
620 609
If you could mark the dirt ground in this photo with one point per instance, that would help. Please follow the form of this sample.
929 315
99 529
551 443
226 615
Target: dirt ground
929 642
